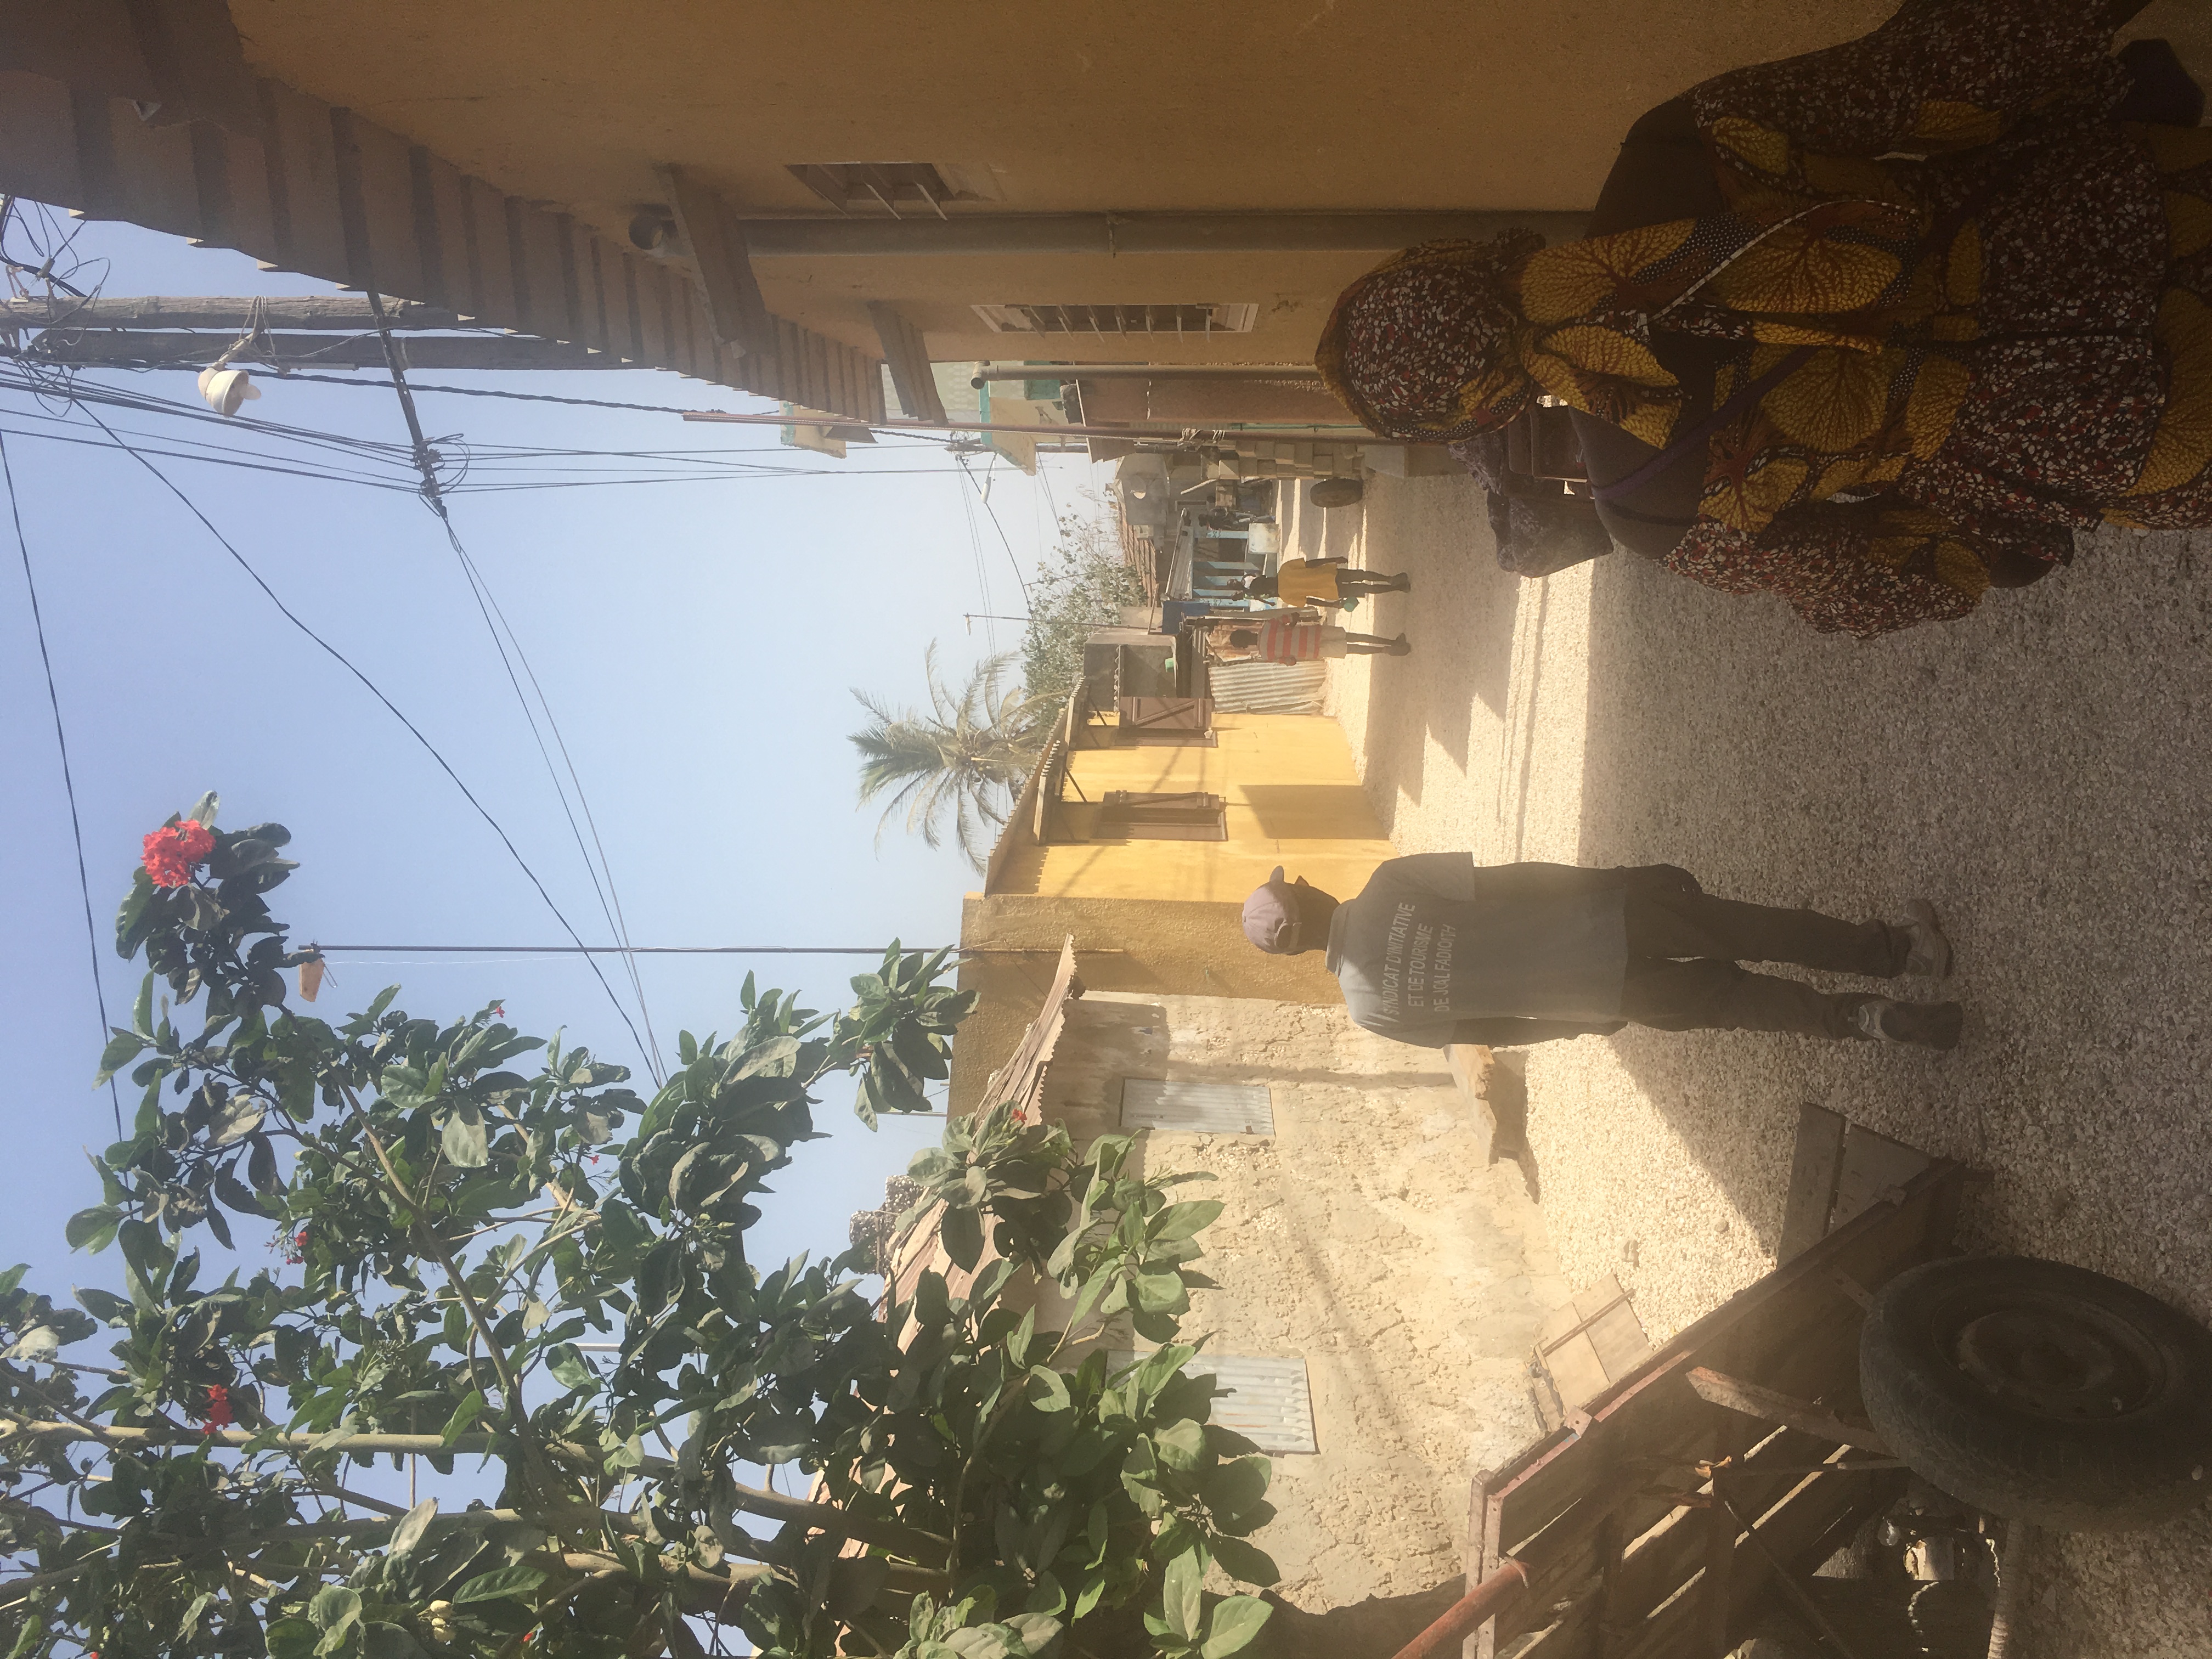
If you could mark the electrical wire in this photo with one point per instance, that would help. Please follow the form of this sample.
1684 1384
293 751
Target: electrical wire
414 731
69 781
1021 580
488 606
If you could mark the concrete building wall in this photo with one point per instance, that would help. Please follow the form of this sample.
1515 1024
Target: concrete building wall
1292 798
1084 106
1366 1235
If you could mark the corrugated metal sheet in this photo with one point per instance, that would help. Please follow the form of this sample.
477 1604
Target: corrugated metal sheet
1268 688
1269 1402
1204 1109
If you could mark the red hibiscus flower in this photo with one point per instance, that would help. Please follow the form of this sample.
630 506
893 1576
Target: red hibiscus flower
218 1408
171 853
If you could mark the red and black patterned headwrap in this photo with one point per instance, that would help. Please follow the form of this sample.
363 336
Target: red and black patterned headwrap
1426 347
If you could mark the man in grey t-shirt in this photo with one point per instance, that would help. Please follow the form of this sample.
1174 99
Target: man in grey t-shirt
1437 949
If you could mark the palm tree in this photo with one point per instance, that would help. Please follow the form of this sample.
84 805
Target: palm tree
969 755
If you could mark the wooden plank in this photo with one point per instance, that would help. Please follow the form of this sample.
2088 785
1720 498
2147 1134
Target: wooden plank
907 355
657 345
92 133
1812 1195
685 327
38 140
198 65
1872 1165
540 284
91 44
625 304
153 175
1769 1405
376 205
735 309
303 174
234 174
791 362
1792 1311
493 297
1481 1560
575 297
440 199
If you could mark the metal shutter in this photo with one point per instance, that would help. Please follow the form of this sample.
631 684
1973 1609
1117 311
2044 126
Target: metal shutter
1203 1109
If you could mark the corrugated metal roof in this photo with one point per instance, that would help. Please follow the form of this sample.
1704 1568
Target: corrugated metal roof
1268 1402
1268 688
1206 1109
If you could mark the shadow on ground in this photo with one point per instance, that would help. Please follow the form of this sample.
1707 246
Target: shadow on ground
2040 770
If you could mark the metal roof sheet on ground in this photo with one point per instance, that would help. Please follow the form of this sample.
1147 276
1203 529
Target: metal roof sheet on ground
1269 1401
1268 688
1204 1109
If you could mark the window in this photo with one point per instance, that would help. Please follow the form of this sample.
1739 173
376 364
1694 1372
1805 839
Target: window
1269 1401
1120 318
1189 815
1205 1108
887 185
1182 721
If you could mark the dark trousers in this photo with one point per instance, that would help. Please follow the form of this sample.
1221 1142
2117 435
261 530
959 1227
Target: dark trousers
1684 948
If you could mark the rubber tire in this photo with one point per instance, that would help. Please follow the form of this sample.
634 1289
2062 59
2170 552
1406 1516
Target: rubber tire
1336 492
2138 1470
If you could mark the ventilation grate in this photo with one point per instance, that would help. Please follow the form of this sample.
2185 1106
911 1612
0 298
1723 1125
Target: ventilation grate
1268 1402
1120 318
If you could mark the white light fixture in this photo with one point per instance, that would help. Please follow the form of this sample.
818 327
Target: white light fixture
225 389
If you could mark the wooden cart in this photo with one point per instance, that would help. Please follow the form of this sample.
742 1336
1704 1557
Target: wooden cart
1659 1523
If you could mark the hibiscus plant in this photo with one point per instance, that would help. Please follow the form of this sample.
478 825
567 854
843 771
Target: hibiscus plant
499 1258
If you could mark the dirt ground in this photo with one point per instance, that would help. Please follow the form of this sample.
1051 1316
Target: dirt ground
2041 770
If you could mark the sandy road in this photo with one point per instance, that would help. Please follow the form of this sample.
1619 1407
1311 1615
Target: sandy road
2042 770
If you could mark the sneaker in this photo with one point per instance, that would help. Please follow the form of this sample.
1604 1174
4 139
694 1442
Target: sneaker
1918 1024
1400 647
1401 585
1931 953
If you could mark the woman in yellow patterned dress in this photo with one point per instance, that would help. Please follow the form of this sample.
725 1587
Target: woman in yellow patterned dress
1874 329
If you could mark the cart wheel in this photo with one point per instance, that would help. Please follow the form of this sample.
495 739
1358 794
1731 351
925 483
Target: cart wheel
2042 1392
1337 492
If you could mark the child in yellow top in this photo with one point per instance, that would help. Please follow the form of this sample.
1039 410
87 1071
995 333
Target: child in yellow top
1321 581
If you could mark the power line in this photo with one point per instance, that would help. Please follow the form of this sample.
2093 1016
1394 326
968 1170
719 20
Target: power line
713 949
68 783
1020 581
415 732
486 605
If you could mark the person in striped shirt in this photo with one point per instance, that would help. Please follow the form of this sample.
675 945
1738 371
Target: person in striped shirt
1293 636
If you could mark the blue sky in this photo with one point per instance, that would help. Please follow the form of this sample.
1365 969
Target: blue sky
695 640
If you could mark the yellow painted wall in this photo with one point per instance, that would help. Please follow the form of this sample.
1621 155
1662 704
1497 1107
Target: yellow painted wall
1163 918
1292 796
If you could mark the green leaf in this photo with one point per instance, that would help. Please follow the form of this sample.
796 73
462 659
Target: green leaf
570 1369
1237 1485
467 1146
464 1415
1048 1389
131 919
1161 1293
499 1583
334 1607
1184 1220
122 1048
205 808
142 1012
1181 1598
1235 1621
93 1230
103 1305
291 1638
240 1116
1182 1446
412 1525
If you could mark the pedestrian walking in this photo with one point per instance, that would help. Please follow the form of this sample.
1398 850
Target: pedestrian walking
1322 581
1293 636
1874 329
1437 948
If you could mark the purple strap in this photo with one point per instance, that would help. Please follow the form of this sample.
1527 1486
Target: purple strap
1696 437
